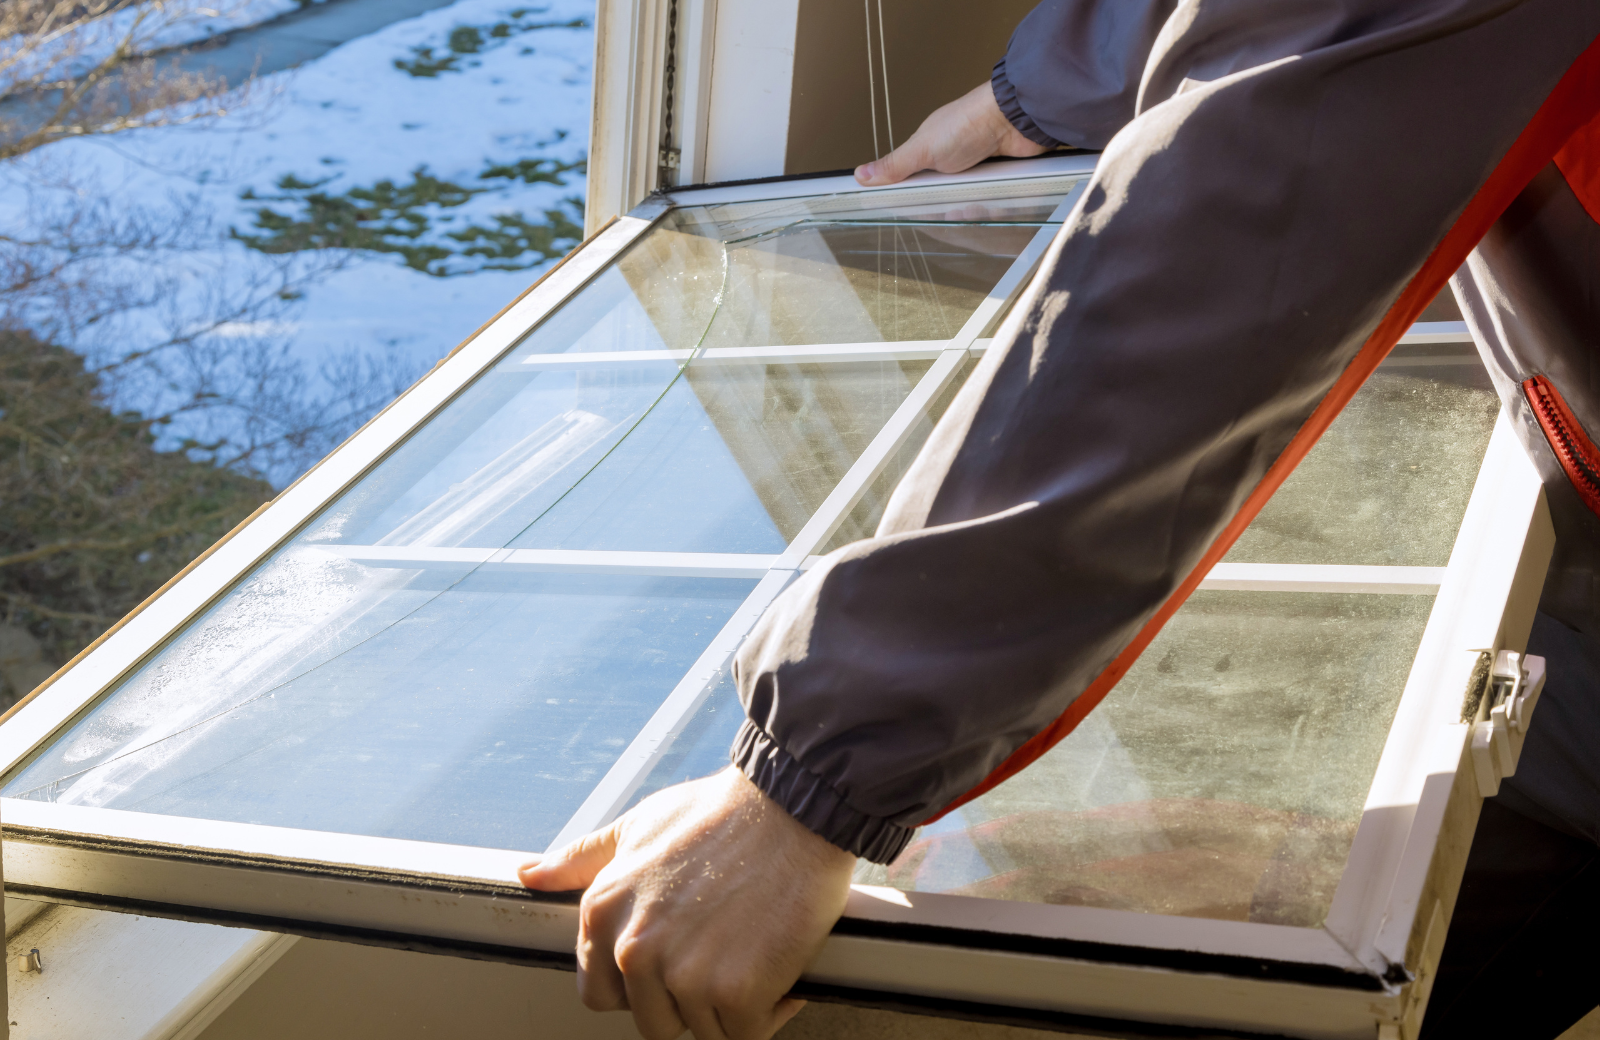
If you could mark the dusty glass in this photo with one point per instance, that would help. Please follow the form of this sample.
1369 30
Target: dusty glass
1223 777
1389 481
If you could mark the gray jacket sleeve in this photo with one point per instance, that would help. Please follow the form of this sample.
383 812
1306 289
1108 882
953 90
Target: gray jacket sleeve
1071 74
1289 171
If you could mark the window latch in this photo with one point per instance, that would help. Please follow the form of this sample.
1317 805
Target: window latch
1501 725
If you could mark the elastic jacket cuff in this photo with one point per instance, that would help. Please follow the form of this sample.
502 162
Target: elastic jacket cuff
813 801
1005 95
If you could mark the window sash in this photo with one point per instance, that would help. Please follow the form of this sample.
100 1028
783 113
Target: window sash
366 888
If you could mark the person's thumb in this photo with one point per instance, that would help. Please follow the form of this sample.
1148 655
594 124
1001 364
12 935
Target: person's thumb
572 866
896 166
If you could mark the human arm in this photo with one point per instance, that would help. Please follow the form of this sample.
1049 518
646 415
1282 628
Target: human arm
1231 259
1070 76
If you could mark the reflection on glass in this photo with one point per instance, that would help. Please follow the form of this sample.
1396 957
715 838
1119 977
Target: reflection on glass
403 668
432 704
863 519
892 267
1223 777
734 458
1388 484
702 747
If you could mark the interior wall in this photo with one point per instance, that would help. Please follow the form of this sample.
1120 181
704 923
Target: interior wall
936 51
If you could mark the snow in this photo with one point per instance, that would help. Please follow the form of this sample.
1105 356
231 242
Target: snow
351 119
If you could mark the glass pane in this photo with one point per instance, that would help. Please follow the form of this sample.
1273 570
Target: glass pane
702 748
862 520
1223 777
392 671
880 267
473 706
733 459
1388 484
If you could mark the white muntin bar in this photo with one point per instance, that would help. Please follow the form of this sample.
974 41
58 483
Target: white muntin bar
1334 578
1423 333
596 358
894 433
795 354
1437 332
633 765
559 561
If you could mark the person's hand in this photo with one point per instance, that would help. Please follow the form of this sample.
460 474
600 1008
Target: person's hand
956 137
703 906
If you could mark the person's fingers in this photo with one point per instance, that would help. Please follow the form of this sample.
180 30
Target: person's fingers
601 918
787 1008
655 1012
741 1021
573 866
702 1019
897 165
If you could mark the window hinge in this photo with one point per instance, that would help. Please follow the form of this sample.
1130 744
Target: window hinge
1502 720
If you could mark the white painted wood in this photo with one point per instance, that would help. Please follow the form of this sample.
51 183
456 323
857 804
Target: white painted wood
1504 541
844 353
1298 577
600 358
18 912
1096 925
696 59
824 353
752 80
124 977
559 561
1115 991
625 130
804 354
1510 555
462 893
378 899
1437 332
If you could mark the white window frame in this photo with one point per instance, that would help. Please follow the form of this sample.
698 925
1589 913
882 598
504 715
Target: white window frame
1369 965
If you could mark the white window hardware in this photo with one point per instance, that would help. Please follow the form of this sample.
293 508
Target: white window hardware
1501 726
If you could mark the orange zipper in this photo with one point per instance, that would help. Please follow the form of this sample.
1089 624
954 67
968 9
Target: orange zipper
1574 449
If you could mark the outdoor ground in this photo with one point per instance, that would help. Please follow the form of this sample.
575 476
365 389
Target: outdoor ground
438 158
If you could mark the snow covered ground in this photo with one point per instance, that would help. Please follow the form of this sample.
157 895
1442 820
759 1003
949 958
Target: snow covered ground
511 98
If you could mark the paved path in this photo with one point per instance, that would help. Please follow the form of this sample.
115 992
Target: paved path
302 36
283 43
